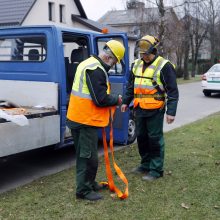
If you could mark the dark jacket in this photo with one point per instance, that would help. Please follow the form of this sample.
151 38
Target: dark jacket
168 79
96 82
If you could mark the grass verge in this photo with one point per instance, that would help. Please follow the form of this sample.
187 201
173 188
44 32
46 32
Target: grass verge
197 78
189 189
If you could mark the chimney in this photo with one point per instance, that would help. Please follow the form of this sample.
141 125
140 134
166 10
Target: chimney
134 4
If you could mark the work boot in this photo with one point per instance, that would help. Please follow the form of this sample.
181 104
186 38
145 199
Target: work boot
91 196
149 178
99 186
139 170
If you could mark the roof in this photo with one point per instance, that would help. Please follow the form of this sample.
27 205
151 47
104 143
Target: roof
132 16
80 8
96 26
13 12
93 24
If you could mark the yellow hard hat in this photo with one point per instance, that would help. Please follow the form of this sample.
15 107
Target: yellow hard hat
146 44
117 49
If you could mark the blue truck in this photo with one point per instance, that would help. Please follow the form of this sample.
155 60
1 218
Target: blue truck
37 66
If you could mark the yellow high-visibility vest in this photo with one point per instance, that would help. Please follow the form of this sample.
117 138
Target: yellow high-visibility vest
81 107
147 84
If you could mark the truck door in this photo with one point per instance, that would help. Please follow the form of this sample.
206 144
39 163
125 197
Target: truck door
124 127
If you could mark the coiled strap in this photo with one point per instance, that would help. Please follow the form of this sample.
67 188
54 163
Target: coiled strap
119 172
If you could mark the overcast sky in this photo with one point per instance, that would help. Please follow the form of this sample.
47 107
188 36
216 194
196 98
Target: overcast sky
95 9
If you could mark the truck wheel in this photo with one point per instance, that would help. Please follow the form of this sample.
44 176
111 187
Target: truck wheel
206 93
131 129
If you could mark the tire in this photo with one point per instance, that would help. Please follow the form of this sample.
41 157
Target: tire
131 129
207 93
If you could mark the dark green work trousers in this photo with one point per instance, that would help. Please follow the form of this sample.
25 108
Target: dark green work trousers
86 144
151 142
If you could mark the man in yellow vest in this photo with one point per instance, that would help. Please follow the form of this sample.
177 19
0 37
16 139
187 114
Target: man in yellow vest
89 108
153 88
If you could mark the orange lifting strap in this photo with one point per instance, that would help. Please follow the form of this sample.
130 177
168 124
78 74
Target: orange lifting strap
111 183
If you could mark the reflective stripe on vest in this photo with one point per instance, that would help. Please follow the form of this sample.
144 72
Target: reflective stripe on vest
146 92
81 107
149 95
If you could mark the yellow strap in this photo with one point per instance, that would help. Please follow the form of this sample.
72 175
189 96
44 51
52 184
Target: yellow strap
149 95
111 183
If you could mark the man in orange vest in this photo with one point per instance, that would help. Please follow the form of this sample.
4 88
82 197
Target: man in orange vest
88 110
153 88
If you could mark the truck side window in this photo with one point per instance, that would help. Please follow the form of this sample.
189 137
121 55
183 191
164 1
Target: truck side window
75 51
23 48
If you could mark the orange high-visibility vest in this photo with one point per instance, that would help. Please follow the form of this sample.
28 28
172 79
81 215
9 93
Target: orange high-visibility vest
81 107
146 94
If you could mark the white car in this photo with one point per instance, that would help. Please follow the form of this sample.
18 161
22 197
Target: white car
211 80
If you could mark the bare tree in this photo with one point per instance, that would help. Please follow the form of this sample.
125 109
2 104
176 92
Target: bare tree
195 32
198 33
211 15
187 24
161 29
164 27
183 40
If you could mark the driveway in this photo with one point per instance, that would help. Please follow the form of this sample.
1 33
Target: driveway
26 167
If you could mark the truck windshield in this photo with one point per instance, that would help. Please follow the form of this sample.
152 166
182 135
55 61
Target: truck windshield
23 48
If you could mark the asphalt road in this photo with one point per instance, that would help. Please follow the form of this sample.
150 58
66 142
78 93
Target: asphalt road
23 168
193 105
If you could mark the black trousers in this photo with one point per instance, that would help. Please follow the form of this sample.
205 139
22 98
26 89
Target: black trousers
86 144
151 142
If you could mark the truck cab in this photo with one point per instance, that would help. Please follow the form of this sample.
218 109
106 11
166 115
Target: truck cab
37 67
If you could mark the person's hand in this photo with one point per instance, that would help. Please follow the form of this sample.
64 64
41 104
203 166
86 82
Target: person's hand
170 119
124 107
119 99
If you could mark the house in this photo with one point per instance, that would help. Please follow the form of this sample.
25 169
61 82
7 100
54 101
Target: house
31 12
68 13
137 21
